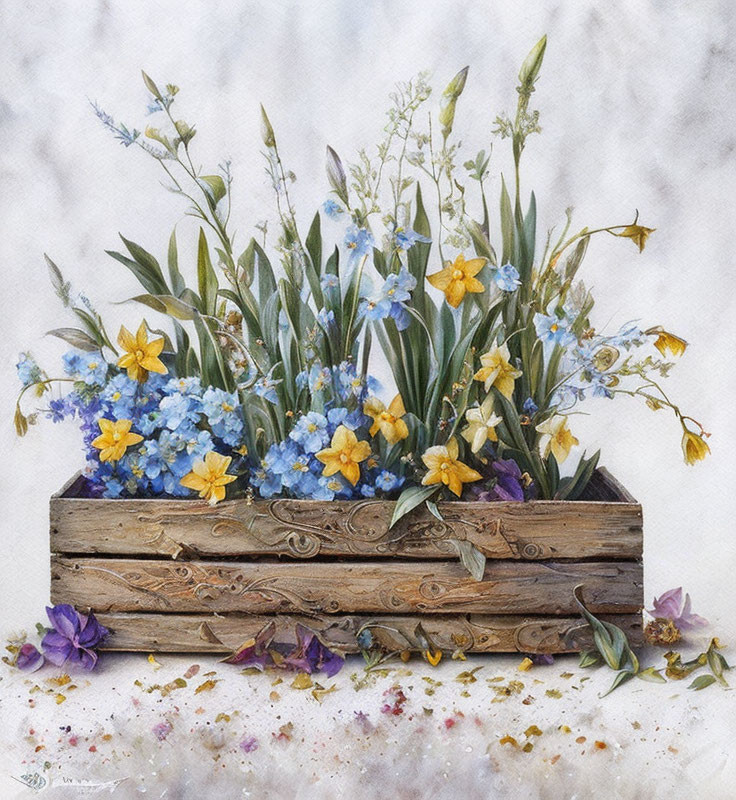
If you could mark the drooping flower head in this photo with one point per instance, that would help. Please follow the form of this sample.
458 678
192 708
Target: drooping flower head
496 370
666 341
115 438
694 446
672 606
458 278
388 420
141 356
209 477
481 426
74 637
443 467
556 438
344 455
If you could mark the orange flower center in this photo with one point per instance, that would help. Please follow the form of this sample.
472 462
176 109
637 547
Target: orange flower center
343 458
139 354
554 327
387 417
457 274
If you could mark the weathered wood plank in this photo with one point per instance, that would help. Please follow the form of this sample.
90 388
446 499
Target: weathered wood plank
109 584
306 528
210 633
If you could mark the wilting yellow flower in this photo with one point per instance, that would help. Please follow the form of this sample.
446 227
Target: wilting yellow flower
481 425
667 341
556 437
444 468
387 420
344 455
694 446
497 371
637 233
209 477
141 356
458 278
115 438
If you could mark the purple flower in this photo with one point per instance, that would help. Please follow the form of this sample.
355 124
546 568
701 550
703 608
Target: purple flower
249 744
29 659
542 659
508 484
74 637
310 655
671 606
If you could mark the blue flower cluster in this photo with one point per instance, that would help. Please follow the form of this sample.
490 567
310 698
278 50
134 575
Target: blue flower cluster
391 299
291 467
179 420
28 370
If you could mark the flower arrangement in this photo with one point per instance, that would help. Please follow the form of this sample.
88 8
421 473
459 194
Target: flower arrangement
261 386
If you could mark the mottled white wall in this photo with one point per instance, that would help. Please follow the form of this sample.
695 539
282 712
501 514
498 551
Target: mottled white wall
636 100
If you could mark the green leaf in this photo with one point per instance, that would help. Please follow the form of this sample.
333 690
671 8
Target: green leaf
651 674
619 680
409 499
167 304
717 663
207 279
472 559
178 284
336 175
76 338
434 511
572 488
215 187
589 658
313 263
702 682
609 640
507 225
482 246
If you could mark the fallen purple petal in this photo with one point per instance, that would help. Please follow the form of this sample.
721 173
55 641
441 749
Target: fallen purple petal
29 659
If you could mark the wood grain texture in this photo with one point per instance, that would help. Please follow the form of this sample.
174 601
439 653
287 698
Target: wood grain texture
209 633
110 584
305 529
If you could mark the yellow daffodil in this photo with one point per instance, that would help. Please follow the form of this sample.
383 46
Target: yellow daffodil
556 438
141 356
209 477
443 467
458 278
694 446
667 341
497 371
388 420
637 233
115 438
481 425
344 455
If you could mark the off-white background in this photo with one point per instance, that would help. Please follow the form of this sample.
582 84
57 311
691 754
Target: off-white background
636 101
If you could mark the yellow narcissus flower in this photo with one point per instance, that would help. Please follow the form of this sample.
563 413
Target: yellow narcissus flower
388 420
115 438
141 356
444 468
667 341
637 233
458 278
344 455
481 425
556 437
694 446
497 371
209 477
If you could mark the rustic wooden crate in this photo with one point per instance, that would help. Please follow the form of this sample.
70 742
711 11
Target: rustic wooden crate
180 575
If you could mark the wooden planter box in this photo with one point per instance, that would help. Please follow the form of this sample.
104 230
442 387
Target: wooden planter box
183 576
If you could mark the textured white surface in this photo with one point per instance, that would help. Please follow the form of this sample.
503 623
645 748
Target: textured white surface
636 112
